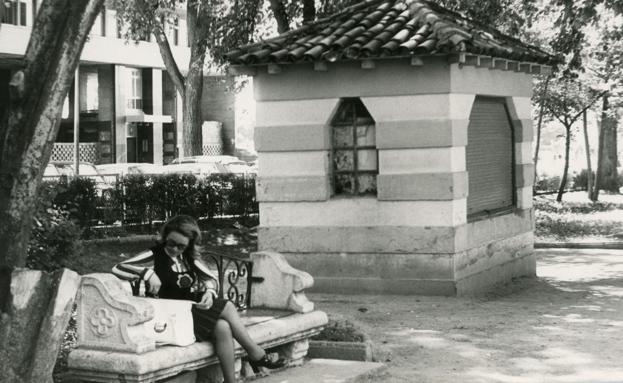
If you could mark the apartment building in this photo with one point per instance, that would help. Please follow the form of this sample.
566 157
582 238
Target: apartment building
126 106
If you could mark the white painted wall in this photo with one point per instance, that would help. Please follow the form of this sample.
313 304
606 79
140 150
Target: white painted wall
366 211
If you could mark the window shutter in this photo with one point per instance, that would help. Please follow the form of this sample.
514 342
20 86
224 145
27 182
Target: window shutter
489 155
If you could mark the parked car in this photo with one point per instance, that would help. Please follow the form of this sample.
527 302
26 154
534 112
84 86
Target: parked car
196 168
212 164
239 167
51 173
111 171
205 159
85 169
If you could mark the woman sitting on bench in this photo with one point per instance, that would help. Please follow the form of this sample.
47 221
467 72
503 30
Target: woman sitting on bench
172 270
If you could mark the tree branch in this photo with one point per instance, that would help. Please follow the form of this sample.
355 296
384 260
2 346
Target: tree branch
169 61
588 106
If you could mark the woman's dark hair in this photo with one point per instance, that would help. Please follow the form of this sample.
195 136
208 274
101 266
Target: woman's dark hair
188 227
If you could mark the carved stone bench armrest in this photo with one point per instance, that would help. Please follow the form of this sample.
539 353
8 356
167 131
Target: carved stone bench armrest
277 285
110 318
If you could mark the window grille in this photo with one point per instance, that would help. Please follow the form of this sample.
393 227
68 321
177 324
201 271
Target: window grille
354 154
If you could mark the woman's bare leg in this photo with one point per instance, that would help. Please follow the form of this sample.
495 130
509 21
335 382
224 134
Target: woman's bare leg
224 345
239 331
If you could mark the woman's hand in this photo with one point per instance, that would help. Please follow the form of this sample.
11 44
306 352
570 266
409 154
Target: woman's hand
154 284
207 300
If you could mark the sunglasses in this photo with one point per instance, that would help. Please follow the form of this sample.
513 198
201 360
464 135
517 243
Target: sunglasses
175 245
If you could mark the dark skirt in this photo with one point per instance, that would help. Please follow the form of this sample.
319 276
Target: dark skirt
204 320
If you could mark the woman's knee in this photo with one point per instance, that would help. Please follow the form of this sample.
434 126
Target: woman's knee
229 308
222 328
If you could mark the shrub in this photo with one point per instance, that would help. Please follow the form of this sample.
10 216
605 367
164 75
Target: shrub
580 180
340 331
55 238
78 197
548 183
141 200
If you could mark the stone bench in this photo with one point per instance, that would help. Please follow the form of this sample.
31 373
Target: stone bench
118 333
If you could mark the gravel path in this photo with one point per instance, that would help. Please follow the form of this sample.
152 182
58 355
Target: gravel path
564 326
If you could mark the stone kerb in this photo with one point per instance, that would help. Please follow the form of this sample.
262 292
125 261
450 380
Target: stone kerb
110 318
282 286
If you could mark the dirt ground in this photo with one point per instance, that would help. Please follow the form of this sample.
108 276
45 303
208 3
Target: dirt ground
564 326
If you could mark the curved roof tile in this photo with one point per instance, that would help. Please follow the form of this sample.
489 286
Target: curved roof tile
386 28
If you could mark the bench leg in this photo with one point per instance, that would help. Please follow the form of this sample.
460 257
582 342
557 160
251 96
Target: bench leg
294 352
213 374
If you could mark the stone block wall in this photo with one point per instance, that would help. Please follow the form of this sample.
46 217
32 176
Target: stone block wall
414 236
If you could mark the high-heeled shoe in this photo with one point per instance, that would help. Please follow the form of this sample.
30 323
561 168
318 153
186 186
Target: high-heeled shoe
266 362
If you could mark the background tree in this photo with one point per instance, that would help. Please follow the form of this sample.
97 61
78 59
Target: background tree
583 29
30 332
212 25
300 12
604 68
566 101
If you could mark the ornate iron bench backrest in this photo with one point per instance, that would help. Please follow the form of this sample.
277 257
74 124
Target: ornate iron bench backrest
234 278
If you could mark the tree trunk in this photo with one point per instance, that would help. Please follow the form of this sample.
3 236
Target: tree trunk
279 11
608 177
33 330
539 126
309 11
199 20
28 130
604 164
191 110
563 181
589 170
600 147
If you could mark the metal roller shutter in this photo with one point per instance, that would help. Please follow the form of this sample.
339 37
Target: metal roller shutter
489 155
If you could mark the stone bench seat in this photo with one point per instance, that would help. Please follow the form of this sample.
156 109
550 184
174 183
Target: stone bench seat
116 330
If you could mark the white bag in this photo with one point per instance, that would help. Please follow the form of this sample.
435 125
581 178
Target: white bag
172 322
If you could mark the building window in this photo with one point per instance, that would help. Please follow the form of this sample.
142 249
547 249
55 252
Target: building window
489 159
89 88
354 154
135 89
14 12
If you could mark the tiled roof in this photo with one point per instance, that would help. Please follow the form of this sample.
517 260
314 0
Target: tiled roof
387 28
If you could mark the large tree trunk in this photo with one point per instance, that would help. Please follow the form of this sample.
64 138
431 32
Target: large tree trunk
589 169
199 20
279 11
28 127
191 110
33 325
607 165
309 11
563 181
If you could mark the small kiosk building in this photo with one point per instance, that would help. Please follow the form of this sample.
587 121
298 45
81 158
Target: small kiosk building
395 149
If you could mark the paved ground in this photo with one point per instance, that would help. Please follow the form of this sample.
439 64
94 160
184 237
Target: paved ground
564 326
